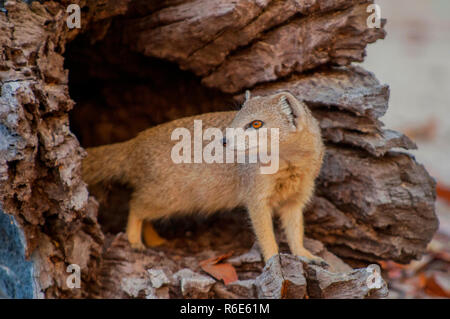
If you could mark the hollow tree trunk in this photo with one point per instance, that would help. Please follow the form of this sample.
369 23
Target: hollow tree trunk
135 63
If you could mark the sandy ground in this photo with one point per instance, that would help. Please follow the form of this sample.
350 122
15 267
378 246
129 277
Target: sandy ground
414 60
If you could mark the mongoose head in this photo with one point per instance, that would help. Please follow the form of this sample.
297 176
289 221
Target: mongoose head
281 111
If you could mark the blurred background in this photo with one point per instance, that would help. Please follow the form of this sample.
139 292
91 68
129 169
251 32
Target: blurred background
414 60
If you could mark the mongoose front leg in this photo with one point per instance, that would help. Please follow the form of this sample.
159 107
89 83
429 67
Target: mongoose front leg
134 230
291 215
261 217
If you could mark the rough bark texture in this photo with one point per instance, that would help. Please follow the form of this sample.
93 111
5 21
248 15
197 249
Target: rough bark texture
371 203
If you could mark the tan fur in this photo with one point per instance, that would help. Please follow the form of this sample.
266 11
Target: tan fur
163 188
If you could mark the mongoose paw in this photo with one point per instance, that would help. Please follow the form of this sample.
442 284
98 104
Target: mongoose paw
138 246
314 260
319 262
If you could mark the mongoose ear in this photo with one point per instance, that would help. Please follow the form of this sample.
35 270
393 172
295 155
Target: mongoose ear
288 108
285 105
247 96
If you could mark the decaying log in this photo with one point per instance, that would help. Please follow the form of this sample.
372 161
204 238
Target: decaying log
175 272
282 277
122 68
352 285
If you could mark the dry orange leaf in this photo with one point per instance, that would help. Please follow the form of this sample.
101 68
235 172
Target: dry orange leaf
425 131
422 282
434 287
442 255
392 265
220 271
443 192
284 289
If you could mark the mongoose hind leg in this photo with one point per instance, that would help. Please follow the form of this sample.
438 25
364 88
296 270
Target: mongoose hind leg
291 215
151 237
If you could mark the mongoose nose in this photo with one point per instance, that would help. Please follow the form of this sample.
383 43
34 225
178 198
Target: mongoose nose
224 141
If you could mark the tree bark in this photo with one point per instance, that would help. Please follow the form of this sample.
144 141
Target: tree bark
136 63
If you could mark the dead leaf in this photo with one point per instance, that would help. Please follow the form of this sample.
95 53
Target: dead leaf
284 289
443 191
425 132
422 280
437 285
442 255
220 271
393 270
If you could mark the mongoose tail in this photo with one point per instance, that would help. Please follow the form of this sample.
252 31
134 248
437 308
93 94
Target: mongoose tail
106 164
109 164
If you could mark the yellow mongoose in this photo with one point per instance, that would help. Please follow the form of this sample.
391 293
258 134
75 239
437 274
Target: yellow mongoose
162 188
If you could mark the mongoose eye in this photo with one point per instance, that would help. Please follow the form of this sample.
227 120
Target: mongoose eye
256 124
